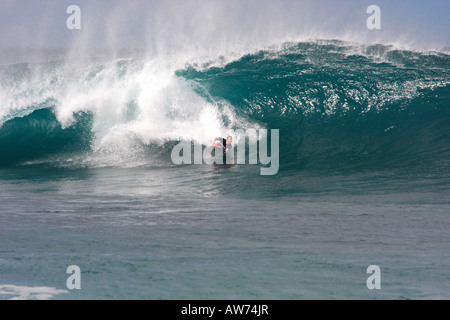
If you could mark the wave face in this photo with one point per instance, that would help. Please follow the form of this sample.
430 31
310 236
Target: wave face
338 105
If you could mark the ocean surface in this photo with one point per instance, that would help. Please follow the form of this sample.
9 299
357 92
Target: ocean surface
87 178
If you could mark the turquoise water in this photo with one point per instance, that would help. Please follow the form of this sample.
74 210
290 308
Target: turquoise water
363 180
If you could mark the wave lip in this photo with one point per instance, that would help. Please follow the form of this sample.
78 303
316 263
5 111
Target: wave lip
336 104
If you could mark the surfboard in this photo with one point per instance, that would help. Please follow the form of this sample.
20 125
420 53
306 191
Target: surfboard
218 147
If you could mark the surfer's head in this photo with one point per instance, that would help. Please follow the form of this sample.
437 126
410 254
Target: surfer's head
229 139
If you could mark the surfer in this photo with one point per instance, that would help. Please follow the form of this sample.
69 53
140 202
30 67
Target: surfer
224 144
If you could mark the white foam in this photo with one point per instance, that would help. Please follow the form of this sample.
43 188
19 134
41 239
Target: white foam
29 293
142 103
135 102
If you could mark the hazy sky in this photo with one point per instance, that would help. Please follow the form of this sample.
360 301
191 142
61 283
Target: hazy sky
176 24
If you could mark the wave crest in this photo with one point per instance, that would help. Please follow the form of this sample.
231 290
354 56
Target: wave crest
337 104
